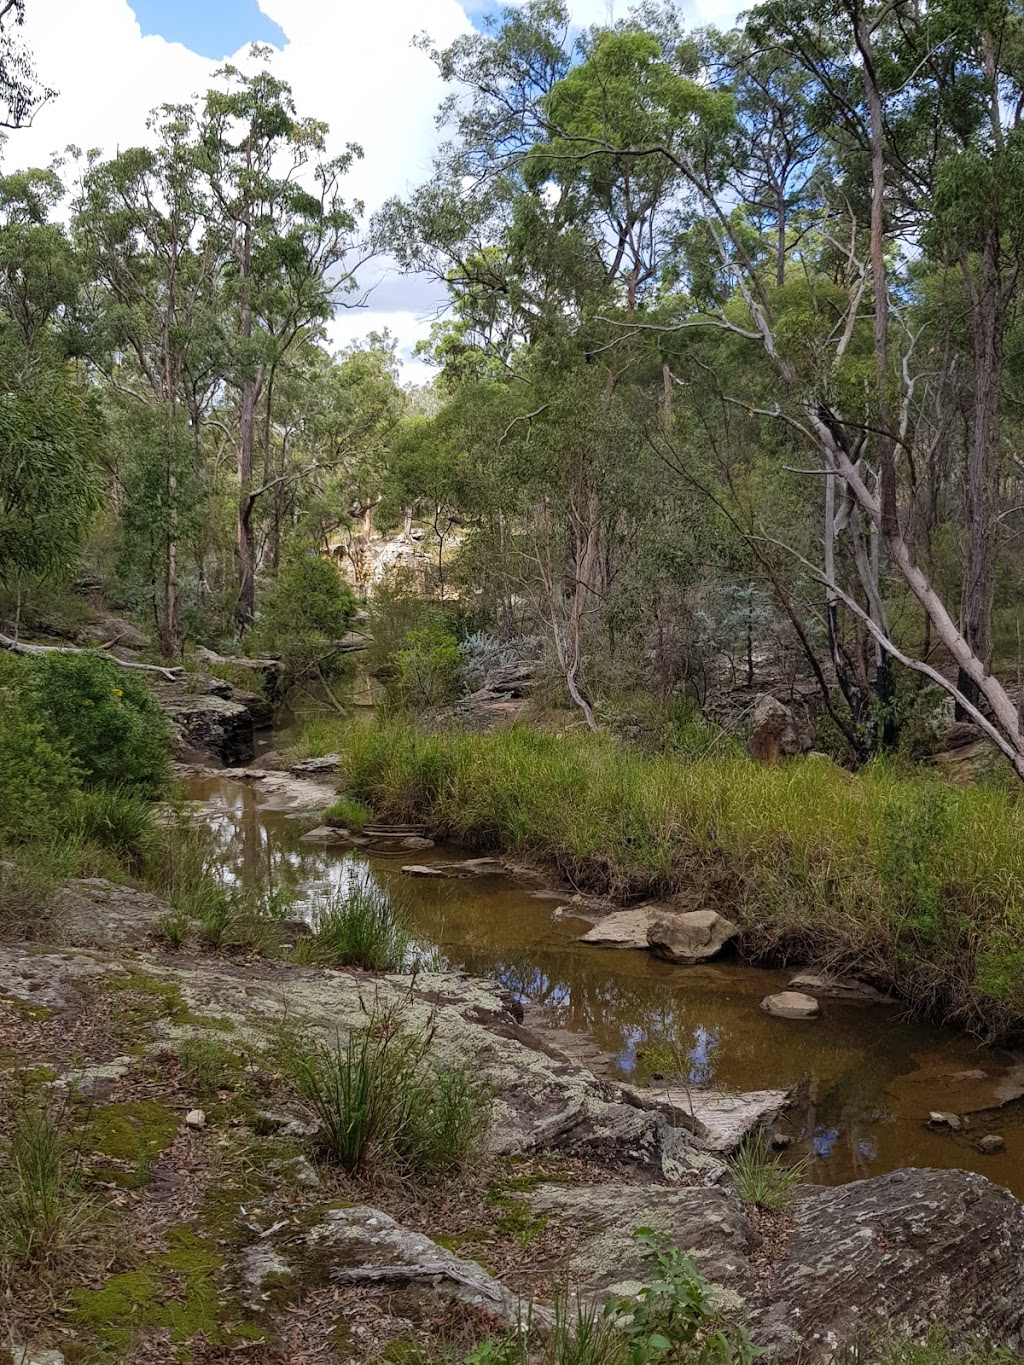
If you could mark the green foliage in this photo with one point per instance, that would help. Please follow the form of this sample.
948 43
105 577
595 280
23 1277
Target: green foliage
764 1177
118 819
347 813
357 927
941 1346
385 1101
108 718
38 775
307 610
428 667
207 1065
679 1317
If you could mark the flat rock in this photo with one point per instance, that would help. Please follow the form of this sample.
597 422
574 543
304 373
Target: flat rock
93 912
605 1259
326 835
940 1119
719 1119
826 986
312 767
905 1250
428 870
623 928
691 937
113 630
791 1005
364 1246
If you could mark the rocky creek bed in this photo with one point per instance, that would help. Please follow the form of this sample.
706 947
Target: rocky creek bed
242 1242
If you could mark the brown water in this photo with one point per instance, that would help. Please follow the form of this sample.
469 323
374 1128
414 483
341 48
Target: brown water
871 1076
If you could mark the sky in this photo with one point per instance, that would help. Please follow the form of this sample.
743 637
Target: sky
350 63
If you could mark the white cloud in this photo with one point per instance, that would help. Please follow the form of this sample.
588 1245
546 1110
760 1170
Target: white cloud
350 63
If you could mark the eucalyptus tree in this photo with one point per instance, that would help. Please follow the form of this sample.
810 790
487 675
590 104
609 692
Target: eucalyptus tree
287 235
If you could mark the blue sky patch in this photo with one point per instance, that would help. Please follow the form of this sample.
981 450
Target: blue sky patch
213 28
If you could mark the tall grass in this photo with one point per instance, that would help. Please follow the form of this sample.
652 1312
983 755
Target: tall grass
383 1100
888 871
357 927
764 1177
44 1215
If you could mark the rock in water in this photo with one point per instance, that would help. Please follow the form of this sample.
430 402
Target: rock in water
940 1119
991 1143
791 1005
690 938
623 928
824 985
774 731
904 1250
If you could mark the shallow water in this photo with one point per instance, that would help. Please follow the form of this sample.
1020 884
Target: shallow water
871 1076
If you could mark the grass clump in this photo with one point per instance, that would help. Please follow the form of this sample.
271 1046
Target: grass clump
917 884
348 813
45 1216
208 1065
385 1101
762 1176
939 1347
358 927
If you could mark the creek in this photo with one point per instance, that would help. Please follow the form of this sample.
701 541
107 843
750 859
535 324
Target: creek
870 1076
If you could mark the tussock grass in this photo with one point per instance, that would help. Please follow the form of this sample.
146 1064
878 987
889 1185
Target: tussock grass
764 1177
45 1217
385 1101
347 813
358 927
886 871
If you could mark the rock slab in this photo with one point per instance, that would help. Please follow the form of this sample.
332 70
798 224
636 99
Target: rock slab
720 1120
623 928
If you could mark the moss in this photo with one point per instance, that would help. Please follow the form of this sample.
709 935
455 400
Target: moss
516 1218
138 1130
26 1008
175 1292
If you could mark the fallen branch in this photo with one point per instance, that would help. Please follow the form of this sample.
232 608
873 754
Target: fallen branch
18 647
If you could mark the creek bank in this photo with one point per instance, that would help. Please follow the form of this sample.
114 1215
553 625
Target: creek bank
910 1248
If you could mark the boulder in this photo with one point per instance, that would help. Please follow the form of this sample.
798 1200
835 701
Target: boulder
791 1005
623 928
991 1143
826 986
214 725
775 731
898 1252
690 938
719 1119
113 631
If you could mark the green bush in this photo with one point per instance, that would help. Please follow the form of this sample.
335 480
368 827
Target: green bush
108 718
679 1317
428 667
307 609
383 1100
116 819
38 775
357 928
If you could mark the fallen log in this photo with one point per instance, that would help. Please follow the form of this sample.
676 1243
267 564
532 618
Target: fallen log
13 646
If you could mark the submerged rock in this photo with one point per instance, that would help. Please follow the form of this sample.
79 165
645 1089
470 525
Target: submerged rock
830 987
690 938
991 1143
791 1005
326 835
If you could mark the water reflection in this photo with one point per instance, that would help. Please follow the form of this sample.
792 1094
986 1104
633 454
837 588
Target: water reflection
868 1077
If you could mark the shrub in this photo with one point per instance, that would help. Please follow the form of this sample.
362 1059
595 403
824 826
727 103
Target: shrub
678 1317
307 610
428 667
110 721
37 772
44 1216
359 927
383 1100
764 1178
